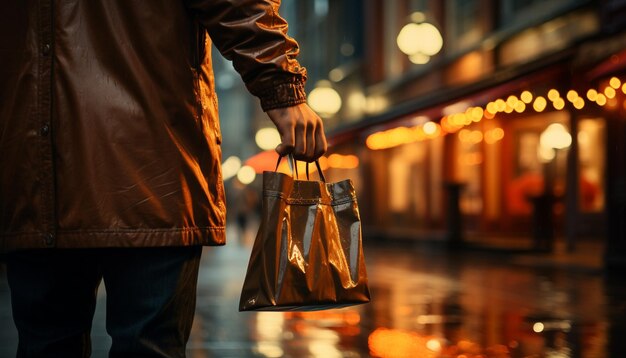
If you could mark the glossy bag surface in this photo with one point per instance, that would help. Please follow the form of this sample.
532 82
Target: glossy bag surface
308 252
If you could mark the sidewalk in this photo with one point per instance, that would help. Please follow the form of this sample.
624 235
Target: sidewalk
587 255
477 299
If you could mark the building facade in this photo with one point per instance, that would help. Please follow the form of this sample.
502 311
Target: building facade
464 142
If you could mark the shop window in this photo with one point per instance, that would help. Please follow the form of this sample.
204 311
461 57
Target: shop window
591 159
399 184
533 168
528 179
435 171
527 158
408 184
469 159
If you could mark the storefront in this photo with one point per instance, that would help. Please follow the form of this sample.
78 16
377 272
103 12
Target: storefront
500 147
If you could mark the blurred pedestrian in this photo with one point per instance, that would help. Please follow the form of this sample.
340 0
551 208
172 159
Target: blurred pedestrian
110 147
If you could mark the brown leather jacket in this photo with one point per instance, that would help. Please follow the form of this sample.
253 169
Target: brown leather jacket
109 132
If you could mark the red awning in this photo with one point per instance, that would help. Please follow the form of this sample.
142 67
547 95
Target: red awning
266 161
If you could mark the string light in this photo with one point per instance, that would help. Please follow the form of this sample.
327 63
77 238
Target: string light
579 103
609 92
430 128
540 104
494 135
500 105
511 101
477 113
615 82
454 122
559 104
342 161
572 95
553 95
526 97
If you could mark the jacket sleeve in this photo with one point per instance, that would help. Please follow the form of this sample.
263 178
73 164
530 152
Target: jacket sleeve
253 35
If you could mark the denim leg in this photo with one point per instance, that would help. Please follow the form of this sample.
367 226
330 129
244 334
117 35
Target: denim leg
151 298
53 296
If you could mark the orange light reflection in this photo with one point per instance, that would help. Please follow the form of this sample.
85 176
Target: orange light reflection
395 343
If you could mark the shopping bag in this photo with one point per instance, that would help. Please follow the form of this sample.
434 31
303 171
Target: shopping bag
308 252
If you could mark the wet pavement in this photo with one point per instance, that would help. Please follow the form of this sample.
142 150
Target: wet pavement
425 303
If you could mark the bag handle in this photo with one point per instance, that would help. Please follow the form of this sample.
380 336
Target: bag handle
294 167
319 170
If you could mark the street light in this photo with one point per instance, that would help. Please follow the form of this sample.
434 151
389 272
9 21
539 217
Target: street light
246 175
324 99
230 167
267 138
419 40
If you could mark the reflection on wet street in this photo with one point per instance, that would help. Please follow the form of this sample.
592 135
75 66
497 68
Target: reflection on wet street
425 303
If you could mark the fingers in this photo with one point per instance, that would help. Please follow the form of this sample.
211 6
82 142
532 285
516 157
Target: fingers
320 142
300 149
287 141
310 143
301 131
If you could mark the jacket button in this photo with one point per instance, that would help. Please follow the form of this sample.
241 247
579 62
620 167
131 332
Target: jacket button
48 239
46 49
45 129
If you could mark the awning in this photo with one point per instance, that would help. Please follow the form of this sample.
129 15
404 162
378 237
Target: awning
266 161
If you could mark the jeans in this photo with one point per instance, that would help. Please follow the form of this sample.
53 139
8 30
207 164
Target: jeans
150 303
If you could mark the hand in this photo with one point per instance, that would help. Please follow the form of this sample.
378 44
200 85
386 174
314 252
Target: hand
301 132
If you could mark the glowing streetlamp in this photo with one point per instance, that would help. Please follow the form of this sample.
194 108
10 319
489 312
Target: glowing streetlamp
246 175
419 40
230 167
267 138
324 99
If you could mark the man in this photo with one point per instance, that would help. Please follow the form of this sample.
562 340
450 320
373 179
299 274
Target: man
110 151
